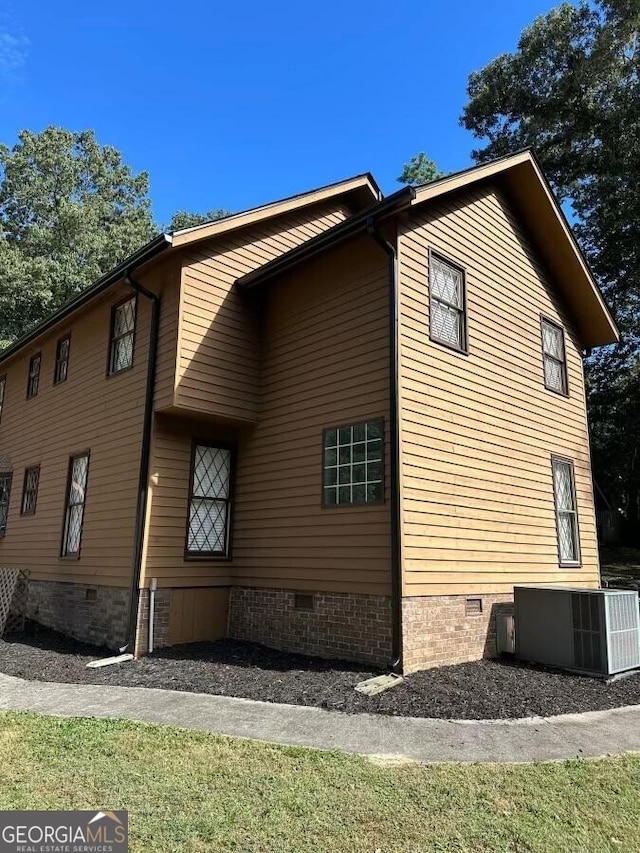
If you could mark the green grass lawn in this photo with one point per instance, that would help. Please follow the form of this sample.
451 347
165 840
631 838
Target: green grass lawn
187 791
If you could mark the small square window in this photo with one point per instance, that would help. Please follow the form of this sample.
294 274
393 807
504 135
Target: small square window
353 470
61 368
123 327
33 380
30 490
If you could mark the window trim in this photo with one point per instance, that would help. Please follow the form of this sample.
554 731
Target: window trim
464 348
212 555
568 564
112 323
57 362
29 377
545 319
9 474
76 554
3 395
377 419
24 490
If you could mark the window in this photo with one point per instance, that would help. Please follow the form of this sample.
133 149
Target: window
353 464
566 514
34 375
123 325
74 510
553 354
5 492
62 360
3 388
30 490
447 323
210 501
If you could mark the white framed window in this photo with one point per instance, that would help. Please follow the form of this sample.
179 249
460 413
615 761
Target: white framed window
554 356
208 524
123 328
74 505
564 493
447 308
353 464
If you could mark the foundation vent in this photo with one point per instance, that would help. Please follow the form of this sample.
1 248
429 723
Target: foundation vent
303 601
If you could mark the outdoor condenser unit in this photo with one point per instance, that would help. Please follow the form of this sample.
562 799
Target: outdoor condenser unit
596 631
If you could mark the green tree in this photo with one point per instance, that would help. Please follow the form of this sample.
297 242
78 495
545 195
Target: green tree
70 209
572 91
419 170
184 219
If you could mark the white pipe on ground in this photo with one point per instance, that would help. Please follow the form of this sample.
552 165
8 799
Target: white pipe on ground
153 585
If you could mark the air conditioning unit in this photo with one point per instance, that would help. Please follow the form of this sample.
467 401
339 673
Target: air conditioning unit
595 631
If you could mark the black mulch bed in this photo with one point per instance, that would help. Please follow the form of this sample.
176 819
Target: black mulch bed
472 691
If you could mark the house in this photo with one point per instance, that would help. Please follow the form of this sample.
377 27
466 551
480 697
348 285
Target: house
338 424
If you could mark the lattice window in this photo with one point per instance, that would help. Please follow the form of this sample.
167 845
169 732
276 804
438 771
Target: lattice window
5 494
555 366
34 375
76 497
62 360
210 501
30 490
123 326
353 467
3 388
447 303
566 511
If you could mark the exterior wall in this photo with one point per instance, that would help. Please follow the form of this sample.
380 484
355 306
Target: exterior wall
91 613
349 626
478 430
438 631
219 353
86 412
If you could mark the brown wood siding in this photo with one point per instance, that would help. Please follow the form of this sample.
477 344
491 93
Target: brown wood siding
219 351
91 412
198 614
478 430
325 363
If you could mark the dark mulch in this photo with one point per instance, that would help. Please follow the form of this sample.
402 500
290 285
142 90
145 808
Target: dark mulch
472 691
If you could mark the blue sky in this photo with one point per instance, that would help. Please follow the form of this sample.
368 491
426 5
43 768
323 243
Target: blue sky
235 104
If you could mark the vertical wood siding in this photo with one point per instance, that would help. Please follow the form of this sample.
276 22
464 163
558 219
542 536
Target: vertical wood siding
219 353
86 412
478 430
325 363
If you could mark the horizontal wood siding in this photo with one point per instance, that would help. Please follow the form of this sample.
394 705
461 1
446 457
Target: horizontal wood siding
325 363
86 412
478 430
219 352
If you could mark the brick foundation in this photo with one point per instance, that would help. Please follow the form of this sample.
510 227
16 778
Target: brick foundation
162 609
87 612
341 625
437 630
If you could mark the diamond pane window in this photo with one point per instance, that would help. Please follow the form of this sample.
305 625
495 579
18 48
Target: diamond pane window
123 325
210 501
3 388
62 360
5 492
74 512
353 464
34 375
30 490
553 354
566 512
447 306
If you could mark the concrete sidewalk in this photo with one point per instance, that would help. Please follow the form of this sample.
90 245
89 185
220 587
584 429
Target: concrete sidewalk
591 734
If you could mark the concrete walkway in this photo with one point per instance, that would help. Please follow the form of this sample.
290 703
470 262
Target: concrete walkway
591 734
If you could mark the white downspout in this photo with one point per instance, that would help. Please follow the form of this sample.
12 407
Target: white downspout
153 585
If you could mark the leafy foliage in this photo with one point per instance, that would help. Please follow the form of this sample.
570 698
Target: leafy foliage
572 91
419 170
183 219
69 211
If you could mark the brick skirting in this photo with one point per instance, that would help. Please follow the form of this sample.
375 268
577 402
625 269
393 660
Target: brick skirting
438 630
88 612
340 625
